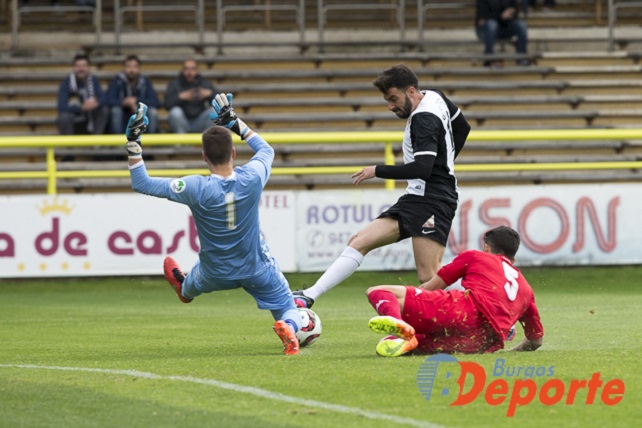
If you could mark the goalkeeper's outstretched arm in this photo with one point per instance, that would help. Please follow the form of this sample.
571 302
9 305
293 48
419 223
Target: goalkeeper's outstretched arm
136 126
141 181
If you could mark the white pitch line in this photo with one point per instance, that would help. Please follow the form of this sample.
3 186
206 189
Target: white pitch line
264 393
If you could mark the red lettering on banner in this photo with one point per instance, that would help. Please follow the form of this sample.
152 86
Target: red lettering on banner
77 249
51 236
277 201
523 219
585 204
114 248
455 245
177 239
157 243
493 222
150 241
54 238
10 251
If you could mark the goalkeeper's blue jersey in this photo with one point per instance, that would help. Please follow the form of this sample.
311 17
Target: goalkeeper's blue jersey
225 210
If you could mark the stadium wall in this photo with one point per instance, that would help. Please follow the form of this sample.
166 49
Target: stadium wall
130 234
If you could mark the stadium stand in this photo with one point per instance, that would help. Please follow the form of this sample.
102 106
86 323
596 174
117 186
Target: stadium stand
573 82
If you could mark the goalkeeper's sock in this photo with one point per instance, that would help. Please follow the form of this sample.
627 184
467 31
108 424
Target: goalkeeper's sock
293 318
348 262
385 303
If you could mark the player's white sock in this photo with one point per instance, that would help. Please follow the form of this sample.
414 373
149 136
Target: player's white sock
343 267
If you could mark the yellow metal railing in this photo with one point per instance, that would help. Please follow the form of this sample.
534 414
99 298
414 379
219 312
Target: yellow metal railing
50 143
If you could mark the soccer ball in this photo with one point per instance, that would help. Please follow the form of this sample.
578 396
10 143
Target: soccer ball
310 327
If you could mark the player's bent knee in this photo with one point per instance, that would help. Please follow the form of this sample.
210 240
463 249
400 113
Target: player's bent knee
375 288
352 240
426 275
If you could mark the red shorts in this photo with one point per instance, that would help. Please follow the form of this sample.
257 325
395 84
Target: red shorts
448 322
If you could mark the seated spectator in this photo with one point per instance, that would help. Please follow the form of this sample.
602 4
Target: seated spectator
188 99
81 108
125 91
498 19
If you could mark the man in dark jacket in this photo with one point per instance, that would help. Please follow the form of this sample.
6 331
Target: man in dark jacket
80 101
188 100
498 19
125 91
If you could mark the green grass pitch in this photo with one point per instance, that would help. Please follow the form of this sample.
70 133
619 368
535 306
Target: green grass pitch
216 362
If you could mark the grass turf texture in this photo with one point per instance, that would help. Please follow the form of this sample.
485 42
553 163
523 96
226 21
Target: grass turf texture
591 317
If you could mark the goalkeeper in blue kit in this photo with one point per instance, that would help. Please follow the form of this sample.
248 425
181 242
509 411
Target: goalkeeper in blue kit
225 207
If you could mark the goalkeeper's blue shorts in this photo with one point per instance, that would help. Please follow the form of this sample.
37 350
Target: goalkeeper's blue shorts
270 289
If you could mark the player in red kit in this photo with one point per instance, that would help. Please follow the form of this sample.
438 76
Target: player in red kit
476 320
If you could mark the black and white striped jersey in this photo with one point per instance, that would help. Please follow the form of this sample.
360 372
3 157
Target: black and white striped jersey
436 128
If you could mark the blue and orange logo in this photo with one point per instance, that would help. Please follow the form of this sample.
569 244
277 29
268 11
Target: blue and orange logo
514 385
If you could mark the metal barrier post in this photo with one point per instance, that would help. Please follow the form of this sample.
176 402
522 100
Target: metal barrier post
98 20
301 19
420 24
220 22
320 24
611 13
14 24
401 21
51 172
200 21
117 24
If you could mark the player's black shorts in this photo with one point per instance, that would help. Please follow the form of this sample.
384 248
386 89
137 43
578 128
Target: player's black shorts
423 216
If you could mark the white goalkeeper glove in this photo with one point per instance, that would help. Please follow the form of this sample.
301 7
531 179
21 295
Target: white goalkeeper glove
135 127
224 115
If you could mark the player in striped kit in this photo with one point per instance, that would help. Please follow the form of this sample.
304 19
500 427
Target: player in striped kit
435 133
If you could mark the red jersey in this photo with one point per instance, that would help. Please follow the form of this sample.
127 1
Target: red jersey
499 291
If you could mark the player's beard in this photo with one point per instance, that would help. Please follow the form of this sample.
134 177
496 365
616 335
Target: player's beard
404 112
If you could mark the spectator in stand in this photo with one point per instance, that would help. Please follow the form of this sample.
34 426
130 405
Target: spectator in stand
81 108
499 19
125 91
188 99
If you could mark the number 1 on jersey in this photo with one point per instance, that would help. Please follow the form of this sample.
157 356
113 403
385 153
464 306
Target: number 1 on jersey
230 210
512 286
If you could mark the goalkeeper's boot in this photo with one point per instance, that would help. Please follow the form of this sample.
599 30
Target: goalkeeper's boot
174 275
391 325
287 336
301 300
511 333
392 346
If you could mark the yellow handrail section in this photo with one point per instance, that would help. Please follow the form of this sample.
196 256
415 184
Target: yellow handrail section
52 142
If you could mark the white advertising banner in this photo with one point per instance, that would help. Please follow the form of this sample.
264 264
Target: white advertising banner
130 234
117 234
559 225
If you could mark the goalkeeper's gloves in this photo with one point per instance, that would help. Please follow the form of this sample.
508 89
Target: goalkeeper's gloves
224 115
135 127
